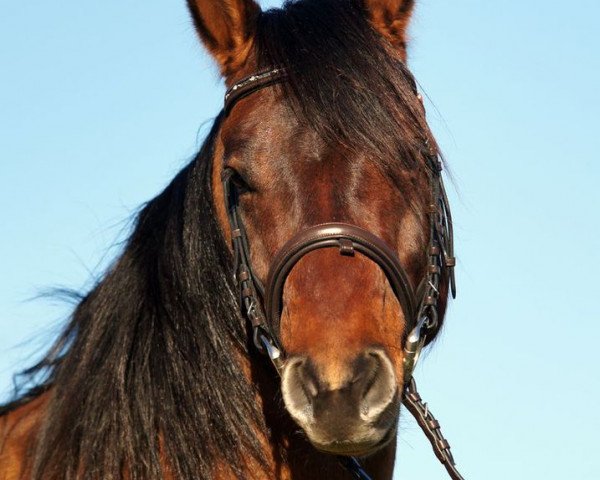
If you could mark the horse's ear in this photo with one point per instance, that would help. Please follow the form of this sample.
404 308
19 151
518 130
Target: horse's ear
227 29
391 18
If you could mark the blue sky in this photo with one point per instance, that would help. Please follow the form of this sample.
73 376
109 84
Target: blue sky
102 103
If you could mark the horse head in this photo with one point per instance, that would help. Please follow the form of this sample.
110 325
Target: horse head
323 130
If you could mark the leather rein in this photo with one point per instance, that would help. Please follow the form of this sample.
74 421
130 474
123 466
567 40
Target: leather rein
262 304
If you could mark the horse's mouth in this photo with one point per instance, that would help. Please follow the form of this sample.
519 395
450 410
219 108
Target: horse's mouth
357 449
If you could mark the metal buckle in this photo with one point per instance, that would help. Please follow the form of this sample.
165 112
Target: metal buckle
413 347
267 345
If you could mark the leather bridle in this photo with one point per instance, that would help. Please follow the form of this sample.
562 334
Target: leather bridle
262 304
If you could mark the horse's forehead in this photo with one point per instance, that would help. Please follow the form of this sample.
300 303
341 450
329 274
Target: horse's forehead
292 163
265 137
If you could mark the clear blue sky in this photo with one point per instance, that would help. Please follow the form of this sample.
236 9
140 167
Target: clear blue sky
101 103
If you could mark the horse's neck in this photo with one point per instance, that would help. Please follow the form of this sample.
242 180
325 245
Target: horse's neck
18 430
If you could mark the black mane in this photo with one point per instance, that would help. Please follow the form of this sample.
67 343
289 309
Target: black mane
147 349
345 80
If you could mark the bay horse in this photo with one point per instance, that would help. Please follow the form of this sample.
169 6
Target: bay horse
312 227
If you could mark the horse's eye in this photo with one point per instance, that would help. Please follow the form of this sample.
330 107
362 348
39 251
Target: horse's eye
240 182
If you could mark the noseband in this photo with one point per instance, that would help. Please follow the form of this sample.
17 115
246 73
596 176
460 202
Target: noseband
262 305
348 239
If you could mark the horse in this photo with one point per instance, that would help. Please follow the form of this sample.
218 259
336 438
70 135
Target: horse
266 312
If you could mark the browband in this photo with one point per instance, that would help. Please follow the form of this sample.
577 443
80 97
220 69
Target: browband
251 84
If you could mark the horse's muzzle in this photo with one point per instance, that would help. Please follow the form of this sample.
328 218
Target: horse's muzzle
348 409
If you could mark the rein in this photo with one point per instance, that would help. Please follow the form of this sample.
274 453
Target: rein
262 304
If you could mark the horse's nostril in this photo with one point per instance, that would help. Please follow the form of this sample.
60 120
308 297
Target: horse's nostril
308 380
379 386
299 387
